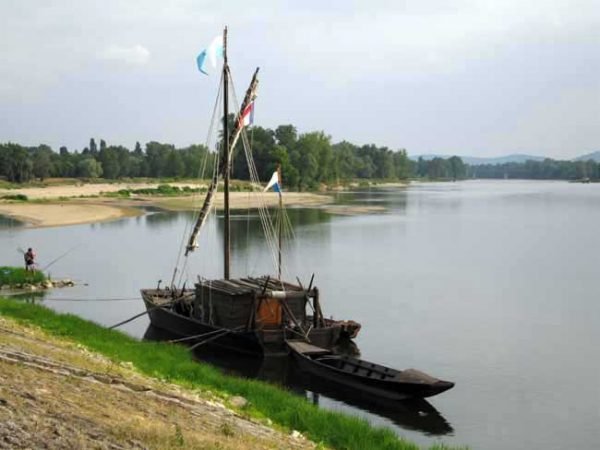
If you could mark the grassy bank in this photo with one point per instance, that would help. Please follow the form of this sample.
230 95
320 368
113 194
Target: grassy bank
174 364
13 276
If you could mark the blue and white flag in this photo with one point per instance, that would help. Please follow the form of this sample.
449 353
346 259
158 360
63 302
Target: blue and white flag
210 55
275 182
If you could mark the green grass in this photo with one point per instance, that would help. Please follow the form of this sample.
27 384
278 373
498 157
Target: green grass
164 190
174 363
15 197
16 275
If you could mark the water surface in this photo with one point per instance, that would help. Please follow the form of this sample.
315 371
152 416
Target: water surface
491 284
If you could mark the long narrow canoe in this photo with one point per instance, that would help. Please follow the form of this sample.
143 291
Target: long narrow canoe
368 377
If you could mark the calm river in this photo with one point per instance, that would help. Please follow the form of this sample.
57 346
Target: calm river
491 284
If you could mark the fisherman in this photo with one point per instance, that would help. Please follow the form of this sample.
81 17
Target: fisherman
29 260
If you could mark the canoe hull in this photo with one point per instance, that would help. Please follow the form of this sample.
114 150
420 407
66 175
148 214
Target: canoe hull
389 389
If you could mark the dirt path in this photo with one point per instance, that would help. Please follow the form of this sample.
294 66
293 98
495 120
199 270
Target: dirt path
55 394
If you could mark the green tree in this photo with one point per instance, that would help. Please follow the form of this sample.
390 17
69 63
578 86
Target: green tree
174 166
156 157
109 158
42 164
404 168
289 174
305 158
457 168
16 163
286 135
93 150
437 169
198 162
89 168
345 161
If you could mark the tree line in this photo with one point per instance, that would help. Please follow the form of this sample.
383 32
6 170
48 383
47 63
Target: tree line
307 161
547 169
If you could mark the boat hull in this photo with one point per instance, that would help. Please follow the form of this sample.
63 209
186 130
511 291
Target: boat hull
264 342
184 327
389 389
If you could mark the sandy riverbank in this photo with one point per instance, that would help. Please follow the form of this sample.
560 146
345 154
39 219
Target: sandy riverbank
83 190
64 213
244 200
62 205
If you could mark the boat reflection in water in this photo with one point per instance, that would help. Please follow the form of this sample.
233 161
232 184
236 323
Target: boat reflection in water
410 414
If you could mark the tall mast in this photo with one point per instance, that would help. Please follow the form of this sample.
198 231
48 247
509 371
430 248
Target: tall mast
212 188
227 160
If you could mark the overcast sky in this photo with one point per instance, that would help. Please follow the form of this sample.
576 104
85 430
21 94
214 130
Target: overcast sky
479 78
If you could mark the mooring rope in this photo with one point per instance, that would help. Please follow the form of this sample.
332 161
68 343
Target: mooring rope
123 299
203 335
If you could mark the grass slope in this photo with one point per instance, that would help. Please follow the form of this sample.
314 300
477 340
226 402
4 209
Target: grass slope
16 275
174 363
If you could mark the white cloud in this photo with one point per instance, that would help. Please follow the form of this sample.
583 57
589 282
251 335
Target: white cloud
135 55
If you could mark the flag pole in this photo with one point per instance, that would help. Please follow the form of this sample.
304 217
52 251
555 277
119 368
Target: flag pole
280 219
227 158
280 234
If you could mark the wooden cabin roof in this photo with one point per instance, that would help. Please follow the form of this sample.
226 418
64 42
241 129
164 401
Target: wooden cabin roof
244 286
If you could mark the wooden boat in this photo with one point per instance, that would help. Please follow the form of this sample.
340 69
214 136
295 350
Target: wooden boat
370 378
251 315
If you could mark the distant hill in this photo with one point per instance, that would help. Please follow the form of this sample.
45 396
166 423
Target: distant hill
474 160
593 156
514 158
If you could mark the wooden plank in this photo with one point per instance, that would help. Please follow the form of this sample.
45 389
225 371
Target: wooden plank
250 285
306 348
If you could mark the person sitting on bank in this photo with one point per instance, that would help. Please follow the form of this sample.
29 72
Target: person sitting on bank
29 260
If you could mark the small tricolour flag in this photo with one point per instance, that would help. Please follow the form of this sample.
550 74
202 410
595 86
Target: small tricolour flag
210 55
247 116
275 182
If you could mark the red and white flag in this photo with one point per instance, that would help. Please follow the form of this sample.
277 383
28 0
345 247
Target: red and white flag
247 117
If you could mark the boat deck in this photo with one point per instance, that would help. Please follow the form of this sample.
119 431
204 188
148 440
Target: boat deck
243 286
305 348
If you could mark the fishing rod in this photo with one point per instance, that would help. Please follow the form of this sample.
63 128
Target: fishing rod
60 257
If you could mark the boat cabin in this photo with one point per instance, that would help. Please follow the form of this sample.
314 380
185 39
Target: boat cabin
252 303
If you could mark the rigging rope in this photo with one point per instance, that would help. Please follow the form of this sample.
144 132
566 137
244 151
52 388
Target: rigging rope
200 176
270 228
266 220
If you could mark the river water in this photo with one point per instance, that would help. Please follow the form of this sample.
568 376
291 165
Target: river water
491 284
